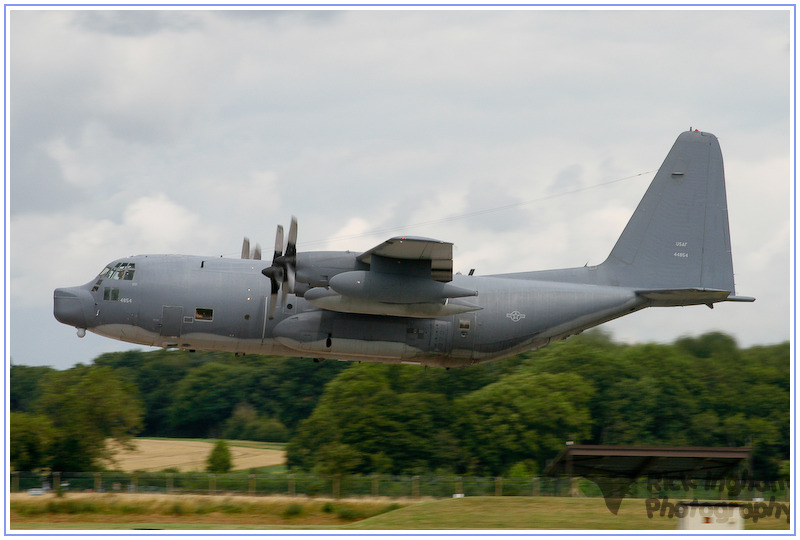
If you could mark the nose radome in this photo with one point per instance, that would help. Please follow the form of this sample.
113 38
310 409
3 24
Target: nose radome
70 305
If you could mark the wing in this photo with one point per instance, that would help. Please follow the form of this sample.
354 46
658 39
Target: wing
407 277
419 253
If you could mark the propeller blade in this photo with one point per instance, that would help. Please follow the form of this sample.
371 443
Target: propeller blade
257 253
246 248
271 273
282 273
291 245
278 243
290 277
290 257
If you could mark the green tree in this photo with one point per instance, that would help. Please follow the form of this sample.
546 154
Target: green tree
24 386
337 458
524 416
87 406
247 424
700 391
296 386
398 432
32 437
206 397
219 460
710 344
156 374
283 390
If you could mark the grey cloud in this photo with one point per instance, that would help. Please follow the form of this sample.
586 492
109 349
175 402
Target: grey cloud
135 23
568 179
279 15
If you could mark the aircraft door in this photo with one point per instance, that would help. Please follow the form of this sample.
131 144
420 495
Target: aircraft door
440 336
171 321
464 334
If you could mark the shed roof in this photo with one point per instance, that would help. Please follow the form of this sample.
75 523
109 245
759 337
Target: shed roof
638 461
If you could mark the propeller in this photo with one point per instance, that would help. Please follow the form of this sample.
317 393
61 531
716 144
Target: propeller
283 270
247 254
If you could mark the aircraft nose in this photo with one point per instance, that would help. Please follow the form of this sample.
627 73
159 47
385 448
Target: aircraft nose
71 304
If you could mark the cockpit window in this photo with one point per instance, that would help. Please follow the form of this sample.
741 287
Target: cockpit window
119 271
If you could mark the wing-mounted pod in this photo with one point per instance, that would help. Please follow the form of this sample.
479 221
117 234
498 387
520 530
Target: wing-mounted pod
407 277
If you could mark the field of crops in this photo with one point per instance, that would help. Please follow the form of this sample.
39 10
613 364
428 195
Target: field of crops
189 455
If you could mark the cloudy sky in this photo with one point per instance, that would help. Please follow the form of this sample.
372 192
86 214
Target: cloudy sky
526 137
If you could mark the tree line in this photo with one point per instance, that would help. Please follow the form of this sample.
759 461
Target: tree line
508 417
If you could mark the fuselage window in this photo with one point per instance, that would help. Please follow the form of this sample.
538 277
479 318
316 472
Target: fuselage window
203 314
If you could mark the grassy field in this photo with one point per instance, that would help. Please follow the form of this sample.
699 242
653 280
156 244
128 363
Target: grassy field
532 513
189 512
188 455
127 511
118 511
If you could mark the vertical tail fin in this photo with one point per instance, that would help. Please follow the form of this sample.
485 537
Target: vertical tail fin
678 237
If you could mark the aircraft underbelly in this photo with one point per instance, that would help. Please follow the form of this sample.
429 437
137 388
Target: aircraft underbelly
194 340
348 336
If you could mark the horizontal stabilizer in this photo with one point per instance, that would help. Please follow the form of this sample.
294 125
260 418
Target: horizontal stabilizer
740 299
690 296
701 295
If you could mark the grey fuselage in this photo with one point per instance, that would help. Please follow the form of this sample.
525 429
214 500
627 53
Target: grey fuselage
221 304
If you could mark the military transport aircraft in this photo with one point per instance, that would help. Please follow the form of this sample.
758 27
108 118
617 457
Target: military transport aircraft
400 302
